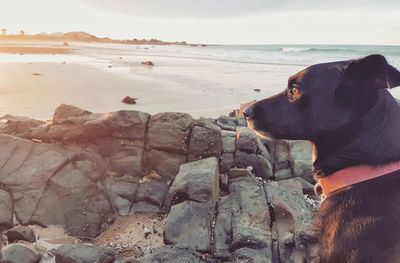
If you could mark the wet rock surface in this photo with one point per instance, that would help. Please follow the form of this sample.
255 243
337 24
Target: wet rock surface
223 193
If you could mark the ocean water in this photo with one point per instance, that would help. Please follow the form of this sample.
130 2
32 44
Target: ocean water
302 55
240 67
291 55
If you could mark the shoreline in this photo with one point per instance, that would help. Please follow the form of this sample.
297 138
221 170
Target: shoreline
21 50
98 77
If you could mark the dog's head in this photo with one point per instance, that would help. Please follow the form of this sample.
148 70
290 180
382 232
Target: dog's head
323 98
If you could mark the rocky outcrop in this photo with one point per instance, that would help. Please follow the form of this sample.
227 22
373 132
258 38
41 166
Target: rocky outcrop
256 220
229 194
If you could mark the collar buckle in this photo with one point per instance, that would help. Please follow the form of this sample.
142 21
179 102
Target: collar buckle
318 190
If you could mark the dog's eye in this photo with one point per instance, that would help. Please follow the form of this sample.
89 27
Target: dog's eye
294 92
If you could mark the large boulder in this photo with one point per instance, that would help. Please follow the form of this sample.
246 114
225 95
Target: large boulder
197 181
83 254
19 254
189 223
170 132
205 140
54 185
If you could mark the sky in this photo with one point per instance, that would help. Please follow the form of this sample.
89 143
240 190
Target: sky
367 22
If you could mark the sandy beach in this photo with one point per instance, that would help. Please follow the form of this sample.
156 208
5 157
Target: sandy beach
98 76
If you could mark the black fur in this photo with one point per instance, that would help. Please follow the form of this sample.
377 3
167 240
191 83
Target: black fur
346 110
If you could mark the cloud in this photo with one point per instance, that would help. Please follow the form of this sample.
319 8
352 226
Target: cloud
227 8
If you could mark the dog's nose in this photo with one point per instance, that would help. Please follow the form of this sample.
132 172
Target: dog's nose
248 112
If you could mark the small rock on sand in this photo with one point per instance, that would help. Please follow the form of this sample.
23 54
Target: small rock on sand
129 100
21 233
147 63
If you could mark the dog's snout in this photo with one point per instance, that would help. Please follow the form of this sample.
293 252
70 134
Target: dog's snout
248 112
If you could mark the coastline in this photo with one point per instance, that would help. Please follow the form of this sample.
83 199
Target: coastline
98 76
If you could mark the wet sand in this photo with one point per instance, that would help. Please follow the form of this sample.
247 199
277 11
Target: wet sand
34 50
36 89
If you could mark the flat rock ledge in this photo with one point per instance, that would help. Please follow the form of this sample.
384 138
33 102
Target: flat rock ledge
228 195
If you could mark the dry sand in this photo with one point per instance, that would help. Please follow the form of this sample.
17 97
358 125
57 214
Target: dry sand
132 236
128 236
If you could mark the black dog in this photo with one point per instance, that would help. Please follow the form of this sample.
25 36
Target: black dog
345 109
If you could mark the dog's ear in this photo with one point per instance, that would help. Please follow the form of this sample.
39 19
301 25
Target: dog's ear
363 77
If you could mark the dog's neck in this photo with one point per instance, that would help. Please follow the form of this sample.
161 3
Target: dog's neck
374 140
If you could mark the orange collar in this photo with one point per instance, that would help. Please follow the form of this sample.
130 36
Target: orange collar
350 176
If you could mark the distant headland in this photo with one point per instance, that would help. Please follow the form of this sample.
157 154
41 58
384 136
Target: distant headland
81 36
